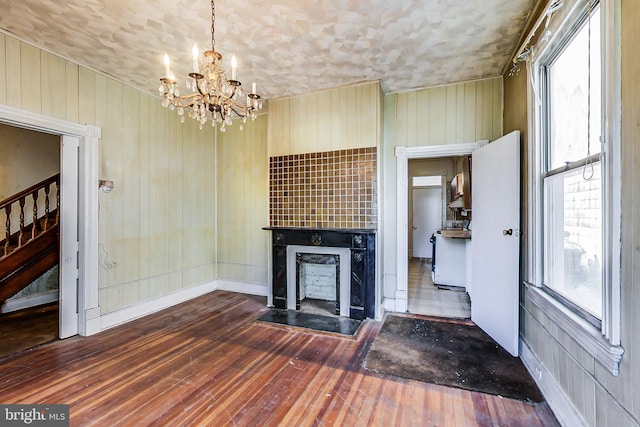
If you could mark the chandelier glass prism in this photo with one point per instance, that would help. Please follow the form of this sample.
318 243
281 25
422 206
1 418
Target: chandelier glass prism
211 96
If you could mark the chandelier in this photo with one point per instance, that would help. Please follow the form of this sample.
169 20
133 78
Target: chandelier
211 95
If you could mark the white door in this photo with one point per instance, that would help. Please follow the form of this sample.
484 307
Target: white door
495 241
427 218
68 265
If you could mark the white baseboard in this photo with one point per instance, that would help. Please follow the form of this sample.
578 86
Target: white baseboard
92 326
29 301
91 322
144 308
259 289
558 400
401 301
389 304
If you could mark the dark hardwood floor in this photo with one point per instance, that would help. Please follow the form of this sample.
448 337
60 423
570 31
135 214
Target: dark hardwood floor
28 328
207 363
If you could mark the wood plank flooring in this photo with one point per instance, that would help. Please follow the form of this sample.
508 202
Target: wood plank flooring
207 363
28 328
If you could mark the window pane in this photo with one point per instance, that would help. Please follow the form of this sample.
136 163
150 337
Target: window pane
573 233
568 97
427 181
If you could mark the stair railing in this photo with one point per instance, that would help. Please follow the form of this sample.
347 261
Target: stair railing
19 200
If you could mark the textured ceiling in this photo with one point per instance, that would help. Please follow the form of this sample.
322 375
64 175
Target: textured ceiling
286 46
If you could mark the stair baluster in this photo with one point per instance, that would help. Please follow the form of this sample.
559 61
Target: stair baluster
46 206
21 235
58 200
34 220
7 230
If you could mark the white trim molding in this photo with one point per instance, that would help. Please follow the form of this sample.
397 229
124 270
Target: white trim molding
154 305
250 288
558 400
41 123
403 154
612 192
588 336
388 304
29 301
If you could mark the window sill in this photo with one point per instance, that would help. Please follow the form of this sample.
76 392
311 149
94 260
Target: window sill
585 334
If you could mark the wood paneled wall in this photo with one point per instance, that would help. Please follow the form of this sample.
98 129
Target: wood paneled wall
334 119
457 113
243 198
602 399
451 114
27 158
156 229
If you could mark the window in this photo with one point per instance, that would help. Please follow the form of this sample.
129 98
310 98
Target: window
574 204
572 173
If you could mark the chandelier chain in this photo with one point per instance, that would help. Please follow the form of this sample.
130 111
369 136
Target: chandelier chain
213 23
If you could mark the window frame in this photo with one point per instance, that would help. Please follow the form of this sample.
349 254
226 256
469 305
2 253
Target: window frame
601 338
544 70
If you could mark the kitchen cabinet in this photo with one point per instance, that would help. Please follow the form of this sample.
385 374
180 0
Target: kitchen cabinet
461 185
449 261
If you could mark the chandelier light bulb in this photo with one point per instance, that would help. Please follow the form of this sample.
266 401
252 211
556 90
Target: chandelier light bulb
234 66
167 65
195 53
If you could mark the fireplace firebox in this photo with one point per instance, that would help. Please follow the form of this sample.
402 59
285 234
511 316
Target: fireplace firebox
354 252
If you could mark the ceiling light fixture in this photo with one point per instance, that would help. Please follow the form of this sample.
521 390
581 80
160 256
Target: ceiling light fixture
213 97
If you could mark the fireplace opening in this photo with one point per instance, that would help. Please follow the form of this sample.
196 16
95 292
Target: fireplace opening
317 279
318 283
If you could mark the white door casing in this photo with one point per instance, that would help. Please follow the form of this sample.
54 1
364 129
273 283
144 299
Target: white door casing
68 264
496 224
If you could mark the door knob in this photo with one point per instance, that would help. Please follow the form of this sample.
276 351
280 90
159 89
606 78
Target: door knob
507 232
415 227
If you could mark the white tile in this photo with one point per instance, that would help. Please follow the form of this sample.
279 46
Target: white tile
427 299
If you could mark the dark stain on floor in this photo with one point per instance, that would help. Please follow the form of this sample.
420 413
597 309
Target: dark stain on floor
455 354
28 328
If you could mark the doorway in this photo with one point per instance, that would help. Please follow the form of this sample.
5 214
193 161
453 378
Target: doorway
31 160
426 213
429 213
403 155
79 309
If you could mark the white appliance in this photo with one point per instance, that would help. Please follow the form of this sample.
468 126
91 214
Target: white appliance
450 266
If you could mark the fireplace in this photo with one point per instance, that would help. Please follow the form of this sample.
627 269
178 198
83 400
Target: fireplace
327 268
350 253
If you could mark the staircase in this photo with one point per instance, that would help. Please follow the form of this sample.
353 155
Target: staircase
30 246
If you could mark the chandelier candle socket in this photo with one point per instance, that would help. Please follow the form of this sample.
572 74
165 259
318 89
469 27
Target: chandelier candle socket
212 96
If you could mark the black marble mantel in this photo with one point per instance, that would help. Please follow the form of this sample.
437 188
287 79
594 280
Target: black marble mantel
362 245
